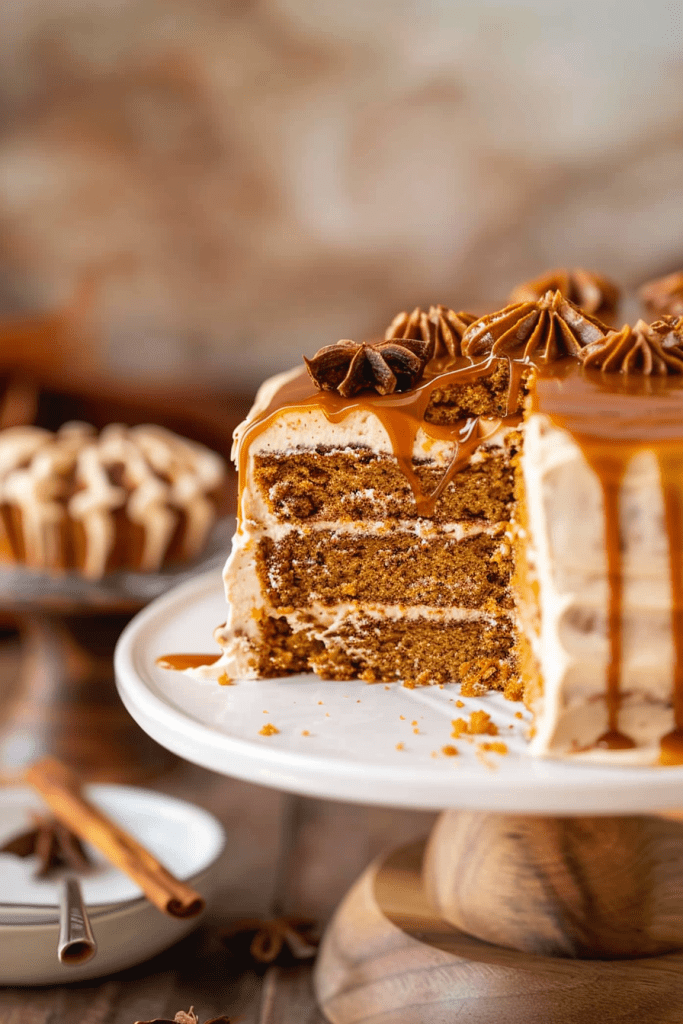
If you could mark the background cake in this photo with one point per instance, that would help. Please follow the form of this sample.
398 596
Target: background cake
133 498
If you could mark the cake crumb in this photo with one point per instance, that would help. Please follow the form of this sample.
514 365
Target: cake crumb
402 717
358 701
387 687
268 730
414 721
319 702
225 680
416 731
327 714
480 723
305 732
495 747
460 703
409 684
265 712
450 751
400 746
518 714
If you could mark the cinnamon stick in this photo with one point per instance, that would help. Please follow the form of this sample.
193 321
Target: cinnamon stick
60 788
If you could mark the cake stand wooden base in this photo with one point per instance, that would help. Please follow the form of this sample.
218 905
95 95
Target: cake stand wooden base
390 957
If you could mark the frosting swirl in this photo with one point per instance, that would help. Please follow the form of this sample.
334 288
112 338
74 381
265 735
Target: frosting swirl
664 296
543 330
593 293
441 326
648 349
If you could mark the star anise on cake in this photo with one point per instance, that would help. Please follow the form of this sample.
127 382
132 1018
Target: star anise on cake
183 1017
649 349
269 940
542 330
52 844
664 296
440 326
385 366
591 292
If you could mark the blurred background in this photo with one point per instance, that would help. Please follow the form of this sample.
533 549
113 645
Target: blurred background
242 181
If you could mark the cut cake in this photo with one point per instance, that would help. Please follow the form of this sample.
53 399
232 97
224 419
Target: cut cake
493 502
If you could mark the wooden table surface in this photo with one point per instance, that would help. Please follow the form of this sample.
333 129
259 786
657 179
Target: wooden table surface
284 855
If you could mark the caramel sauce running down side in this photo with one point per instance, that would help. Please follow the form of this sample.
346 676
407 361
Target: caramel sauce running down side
613 417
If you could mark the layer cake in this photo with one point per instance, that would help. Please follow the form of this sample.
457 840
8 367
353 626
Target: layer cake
495 502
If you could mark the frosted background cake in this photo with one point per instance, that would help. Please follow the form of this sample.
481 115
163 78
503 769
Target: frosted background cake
124 498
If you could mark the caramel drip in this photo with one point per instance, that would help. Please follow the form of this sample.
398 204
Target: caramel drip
672 481
181 662
402 416
612 419
518 368
610 472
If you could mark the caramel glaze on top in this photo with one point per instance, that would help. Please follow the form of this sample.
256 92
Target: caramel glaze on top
610 416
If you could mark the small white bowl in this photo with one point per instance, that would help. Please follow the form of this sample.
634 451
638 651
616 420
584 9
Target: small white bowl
128 929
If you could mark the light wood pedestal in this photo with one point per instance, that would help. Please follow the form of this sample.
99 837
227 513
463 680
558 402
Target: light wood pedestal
390 957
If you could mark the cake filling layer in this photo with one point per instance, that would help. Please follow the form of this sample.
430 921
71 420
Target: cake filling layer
399 568
478 654
361 484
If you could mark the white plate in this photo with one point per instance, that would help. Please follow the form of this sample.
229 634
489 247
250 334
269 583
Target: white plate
128 929
350 752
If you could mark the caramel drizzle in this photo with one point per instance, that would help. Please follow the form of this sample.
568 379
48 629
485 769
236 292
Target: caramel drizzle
181 662
612 419
610 472
401 415
672 477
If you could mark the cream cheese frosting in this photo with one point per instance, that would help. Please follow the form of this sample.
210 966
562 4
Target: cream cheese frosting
569 561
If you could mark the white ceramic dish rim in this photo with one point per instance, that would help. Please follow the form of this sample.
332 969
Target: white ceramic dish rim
539 786
96 912
48 913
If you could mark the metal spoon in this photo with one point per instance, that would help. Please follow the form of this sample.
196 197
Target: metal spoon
76 944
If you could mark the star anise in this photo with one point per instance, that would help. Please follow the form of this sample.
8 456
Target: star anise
385 366
592 293
664 296
270 940
441 326
182 1017
53 845
649 349
545 330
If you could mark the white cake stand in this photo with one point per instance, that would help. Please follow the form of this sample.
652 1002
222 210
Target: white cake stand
523 913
